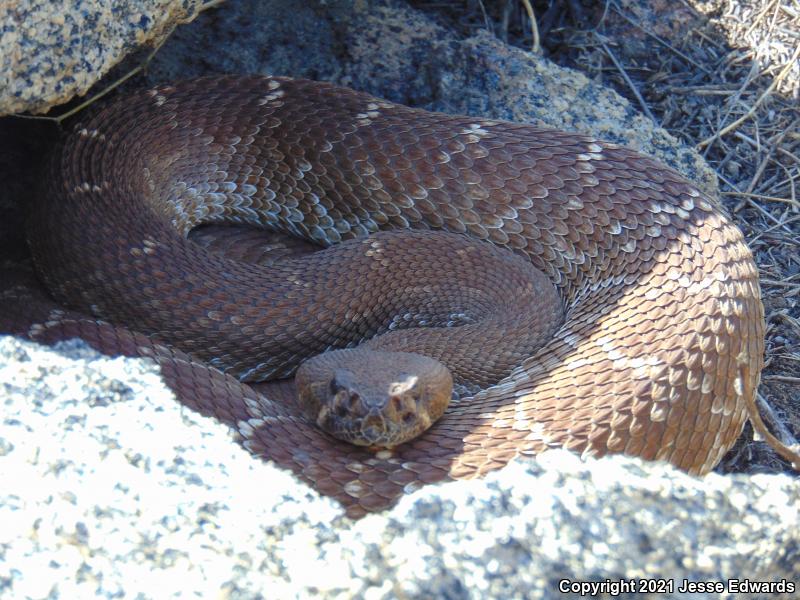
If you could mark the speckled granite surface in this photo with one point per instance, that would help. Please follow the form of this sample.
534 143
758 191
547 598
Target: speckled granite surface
52 51
119 491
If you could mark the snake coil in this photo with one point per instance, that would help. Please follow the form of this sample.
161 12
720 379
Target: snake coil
662 343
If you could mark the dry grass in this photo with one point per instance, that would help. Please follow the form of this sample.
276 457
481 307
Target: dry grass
723 76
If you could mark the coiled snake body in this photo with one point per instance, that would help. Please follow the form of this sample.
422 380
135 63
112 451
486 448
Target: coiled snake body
662 340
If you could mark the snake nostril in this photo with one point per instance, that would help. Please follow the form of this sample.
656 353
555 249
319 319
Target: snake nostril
408 418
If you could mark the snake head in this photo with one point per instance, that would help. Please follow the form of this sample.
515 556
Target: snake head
373 398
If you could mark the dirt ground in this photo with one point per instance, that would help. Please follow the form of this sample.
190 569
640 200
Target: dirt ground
723 76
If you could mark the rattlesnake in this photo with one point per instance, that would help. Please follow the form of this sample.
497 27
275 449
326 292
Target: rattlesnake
661 347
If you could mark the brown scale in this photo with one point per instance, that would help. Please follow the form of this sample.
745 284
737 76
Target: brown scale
662 343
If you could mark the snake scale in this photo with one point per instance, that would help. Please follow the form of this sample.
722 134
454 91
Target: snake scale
661 346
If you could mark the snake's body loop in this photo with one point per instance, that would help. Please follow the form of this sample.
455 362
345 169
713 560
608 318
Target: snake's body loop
663 336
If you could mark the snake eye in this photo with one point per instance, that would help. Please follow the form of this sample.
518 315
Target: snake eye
341 381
